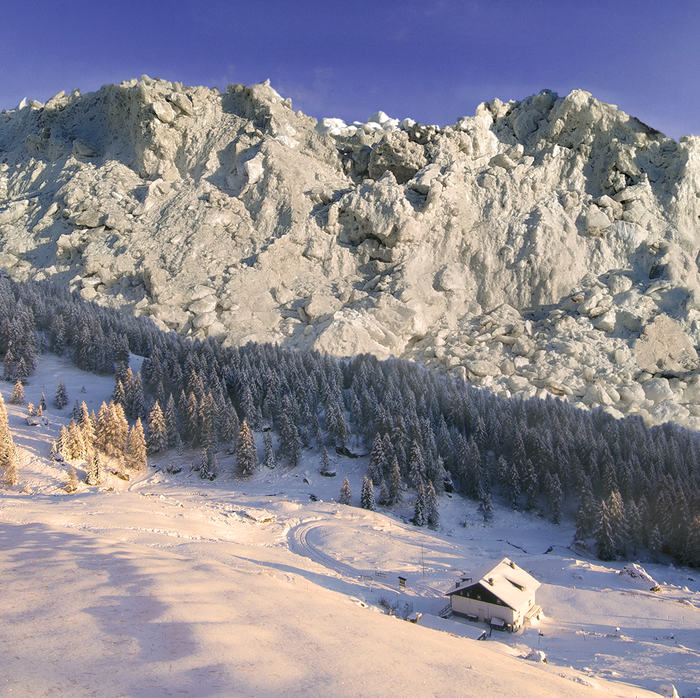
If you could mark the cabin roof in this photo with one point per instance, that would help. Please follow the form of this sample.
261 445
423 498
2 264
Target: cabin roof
510 583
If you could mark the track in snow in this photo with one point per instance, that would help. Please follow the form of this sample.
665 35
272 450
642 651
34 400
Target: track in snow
301 542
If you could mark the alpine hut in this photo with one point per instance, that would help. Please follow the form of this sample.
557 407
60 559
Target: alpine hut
502 595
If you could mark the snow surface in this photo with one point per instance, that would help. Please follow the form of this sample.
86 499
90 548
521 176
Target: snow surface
168 585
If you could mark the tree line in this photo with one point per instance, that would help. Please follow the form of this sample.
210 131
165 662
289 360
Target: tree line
628 486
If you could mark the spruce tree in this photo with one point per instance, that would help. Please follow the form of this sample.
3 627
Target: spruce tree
432 513
367 494
345 494
655 543
419 511
269 461
384 498
554 496
395 484
157 432
61 398
485 506
17 397
208 464
692 549
604 536
246 452
290 443
171 427
325 461
92 469
72 484
137 447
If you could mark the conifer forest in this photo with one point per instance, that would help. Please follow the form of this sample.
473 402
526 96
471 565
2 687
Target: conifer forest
628 487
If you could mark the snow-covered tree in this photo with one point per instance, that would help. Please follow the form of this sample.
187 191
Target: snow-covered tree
605 538
17 397
61 398
367 494
72 484
246 452
345 493
420 509
208 465
137 447
384 498
269 461
157 431
432 511
395 484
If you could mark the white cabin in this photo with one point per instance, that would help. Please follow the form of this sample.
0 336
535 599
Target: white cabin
501 595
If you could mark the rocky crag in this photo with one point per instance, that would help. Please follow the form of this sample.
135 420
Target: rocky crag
548 246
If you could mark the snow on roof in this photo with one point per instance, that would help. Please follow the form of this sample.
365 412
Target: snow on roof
510 583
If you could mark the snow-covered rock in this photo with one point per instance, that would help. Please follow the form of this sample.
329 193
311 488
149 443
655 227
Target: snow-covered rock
378 236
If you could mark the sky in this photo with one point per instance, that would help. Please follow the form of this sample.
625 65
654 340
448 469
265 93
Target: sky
431 60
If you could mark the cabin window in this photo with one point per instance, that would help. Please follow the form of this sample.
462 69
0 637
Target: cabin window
478 597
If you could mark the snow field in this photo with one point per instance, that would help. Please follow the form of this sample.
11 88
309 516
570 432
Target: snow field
168 585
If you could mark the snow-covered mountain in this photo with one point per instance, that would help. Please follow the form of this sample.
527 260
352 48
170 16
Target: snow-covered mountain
539 247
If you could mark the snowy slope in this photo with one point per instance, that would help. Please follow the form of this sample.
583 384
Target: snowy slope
168 585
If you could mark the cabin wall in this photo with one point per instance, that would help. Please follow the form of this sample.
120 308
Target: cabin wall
484 611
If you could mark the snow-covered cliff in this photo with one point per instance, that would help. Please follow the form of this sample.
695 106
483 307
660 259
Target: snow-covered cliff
543 246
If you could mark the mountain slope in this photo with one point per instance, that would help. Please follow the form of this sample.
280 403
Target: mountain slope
540 247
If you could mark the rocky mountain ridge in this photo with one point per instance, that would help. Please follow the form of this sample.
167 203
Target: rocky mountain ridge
540 247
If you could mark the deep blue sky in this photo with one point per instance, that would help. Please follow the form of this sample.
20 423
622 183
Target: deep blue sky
431 60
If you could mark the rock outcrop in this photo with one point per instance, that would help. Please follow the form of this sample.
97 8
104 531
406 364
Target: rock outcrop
540 247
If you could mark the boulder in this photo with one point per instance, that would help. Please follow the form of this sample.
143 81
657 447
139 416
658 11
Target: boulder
664 347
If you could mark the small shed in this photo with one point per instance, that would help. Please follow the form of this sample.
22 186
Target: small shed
501 594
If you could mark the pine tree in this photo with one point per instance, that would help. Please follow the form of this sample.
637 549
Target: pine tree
269 461
419 511
325 461
555 496
87 426
377 460
17 397
72 484
137 447
655 542
157 432
76 447
417 471
171 429
431 506
395 484
246 452
384 498
290 443
367 494
530 484
208 464
61 398
485 506
137 408
692 549
42 402
605 540
345 494
93 469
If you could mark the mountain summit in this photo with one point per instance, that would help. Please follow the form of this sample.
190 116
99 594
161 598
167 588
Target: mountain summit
540 247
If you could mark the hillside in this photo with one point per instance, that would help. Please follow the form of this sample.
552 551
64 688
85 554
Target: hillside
539 247
171 585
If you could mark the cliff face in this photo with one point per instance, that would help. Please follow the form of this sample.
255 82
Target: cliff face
543 246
